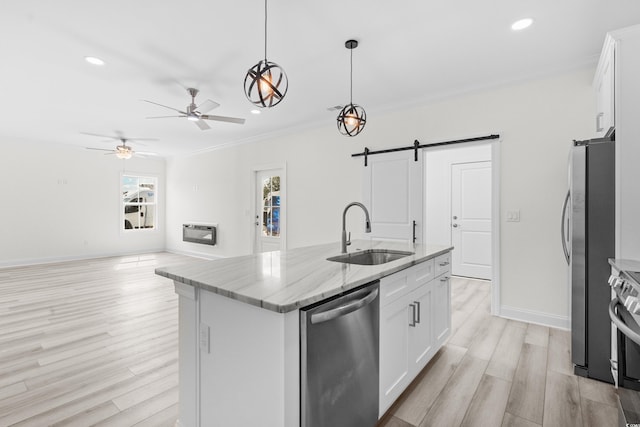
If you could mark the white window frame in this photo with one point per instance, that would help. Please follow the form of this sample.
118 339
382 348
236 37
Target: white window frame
155 204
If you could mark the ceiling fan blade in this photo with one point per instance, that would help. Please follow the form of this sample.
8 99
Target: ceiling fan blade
147 153
165 106
99 149
202 125
223 119
207 105
143 139
101 136
162 117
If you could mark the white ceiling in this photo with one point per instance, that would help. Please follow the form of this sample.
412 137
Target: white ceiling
410 52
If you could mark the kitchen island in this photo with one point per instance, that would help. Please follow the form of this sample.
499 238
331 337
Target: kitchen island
239 326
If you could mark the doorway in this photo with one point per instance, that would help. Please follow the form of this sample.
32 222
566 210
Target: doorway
269 210
474 171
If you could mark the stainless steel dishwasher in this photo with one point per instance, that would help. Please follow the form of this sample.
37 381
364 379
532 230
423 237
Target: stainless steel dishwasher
339 360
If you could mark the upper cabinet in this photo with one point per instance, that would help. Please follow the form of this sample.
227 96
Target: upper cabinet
604 85
627 125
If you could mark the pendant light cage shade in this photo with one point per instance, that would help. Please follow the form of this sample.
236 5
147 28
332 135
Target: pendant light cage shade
352 117
266 84
351 120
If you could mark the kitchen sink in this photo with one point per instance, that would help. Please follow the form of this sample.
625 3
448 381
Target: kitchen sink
370 256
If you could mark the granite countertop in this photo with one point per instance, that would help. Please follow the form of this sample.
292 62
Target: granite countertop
284 281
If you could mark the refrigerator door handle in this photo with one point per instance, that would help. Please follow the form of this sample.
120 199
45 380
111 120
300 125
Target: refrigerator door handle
563 230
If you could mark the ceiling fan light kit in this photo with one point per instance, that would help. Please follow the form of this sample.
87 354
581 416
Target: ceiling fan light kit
124 152
352 117
266 83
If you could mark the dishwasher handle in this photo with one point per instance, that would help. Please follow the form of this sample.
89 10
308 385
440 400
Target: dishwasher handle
350 307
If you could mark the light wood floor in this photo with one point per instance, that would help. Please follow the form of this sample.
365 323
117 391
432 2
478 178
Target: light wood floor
95 343
89 343
499 372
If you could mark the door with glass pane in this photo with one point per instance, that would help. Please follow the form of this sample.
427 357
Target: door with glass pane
269 211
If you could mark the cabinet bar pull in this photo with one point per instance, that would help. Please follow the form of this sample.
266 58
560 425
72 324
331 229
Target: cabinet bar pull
414 231
442 264
417 303
413 315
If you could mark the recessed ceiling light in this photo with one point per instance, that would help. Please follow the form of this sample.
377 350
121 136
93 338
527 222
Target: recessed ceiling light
521 24
93 60
255 111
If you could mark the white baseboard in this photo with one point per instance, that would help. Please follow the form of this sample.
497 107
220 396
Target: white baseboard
537 317
51 260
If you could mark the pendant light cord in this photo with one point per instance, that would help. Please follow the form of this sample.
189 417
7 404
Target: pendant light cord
351 79
265 30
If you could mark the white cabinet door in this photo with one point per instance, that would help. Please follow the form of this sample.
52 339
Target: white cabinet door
604 84
421 340
410 324
442 309
394 352
393 194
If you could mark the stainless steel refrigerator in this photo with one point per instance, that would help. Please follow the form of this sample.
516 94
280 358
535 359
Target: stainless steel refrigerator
588 237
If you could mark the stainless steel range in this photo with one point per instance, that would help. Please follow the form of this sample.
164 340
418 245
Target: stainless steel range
624 311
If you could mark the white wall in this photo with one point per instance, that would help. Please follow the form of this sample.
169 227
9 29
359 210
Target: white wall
60 202
438 161
537 121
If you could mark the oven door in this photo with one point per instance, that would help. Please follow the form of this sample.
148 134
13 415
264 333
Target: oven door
627 358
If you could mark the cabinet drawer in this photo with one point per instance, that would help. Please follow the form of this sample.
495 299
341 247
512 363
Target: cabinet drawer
443 263
394 286
424 271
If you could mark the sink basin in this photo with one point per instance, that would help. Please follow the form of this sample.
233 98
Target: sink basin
370 256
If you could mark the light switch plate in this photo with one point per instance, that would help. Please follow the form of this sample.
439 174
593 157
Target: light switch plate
204 338
513 216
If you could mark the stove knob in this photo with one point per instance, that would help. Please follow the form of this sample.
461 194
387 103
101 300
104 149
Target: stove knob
630 301
612 279
618 283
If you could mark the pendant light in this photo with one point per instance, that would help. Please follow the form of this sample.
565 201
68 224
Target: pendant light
265 84
352 117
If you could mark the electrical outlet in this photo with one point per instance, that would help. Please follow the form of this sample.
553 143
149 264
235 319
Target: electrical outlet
513 216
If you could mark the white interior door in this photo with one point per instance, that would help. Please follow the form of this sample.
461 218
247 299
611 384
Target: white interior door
471 219
393 185
269 215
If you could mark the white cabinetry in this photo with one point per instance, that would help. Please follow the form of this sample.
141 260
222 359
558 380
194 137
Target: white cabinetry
233 355
627 101
415 319
442 300
604 85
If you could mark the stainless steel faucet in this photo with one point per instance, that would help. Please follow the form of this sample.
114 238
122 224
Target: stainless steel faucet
346 242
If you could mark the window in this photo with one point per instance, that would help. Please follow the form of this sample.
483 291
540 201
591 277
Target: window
139 202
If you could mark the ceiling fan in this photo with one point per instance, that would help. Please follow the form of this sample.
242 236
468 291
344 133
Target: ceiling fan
195 113
122 151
